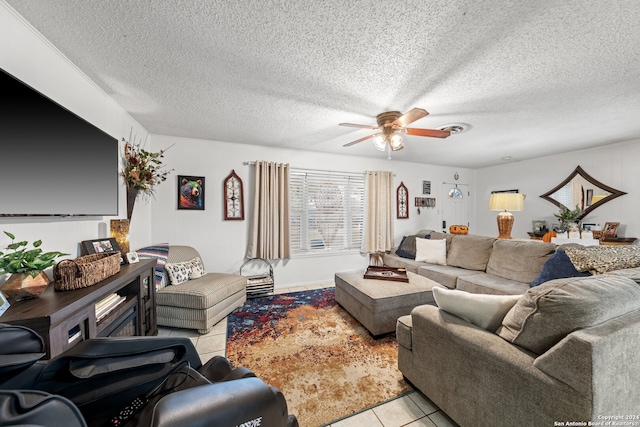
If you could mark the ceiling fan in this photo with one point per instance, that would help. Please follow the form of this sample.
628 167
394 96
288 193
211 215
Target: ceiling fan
392 124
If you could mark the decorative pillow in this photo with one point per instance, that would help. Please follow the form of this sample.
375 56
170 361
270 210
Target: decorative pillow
197 268
431 251
547 313
407 247
161 253
178 272
558 266
484 311
601 259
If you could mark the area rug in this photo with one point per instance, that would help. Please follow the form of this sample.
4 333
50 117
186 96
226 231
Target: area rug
326 364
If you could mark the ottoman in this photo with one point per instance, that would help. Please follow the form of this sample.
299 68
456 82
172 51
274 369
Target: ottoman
377 304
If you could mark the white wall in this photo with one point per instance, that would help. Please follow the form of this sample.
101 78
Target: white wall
614 165
222 244
28 56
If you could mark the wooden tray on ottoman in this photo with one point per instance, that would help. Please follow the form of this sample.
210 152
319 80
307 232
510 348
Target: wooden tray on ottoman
386 273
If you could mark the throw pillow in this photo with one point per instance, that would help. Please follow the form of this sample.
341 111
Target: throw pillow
547 313
602 259
197 268
431 251
558 266
178 272
160 252
484 311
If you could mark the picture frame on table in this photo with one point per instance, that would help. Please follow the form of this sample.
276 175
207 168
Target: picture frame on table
538 225
104 245
610 229
132 257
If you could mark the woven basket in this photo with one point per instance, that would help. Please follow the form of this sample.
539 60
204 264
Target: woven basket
85 271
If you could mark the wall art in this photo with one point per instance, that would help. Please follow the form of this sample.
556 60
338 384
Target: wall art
191 192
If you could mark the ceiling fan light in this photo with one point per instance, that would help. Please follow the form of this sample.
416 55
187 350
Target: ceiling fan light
379 142
396 142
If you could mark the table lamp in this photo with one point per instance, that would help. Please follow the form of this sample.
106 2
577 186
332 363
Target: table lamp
506 202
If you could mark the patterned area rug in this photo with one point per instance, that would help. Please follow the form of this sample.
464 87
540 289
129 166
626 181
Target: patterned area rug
325 362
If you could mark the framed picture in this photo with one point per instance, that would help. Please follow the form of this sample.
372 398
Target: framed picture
97 246
132 257
191 192
538 225
426 187
610 229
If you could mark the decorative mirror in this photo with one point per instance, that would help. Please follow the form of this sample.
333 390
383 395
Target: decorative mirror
402 202
233 197
582 190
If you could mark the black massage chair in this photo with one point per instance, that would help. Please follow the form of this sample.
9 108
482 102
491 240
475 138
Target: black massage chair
129 381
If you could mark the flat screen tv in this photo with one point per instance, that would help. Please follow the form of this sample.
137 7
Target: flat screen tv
54 163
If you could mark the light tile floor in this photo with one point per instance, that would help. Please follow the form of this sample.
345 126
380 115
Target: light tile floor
410 410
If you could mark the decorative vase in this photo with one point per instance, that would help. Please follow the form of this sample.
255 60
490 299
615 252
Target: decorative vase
22 286
132 194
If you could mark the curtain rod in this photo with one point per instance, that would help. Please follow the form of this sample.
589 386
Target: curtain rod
252 162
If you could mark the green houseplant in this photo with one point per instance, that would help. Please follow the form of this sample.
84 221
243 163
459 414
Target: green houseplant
26 267
567 216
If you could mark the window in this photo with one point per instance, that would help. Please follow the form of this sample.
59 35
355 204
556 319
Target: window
326 211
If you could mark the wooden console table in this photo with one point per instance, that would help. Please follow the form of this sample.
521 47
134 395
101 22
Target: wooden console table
58 316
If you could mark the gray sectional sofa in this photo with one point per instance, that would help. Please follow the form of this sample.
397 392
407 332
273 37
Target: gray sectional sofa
481 264
567 352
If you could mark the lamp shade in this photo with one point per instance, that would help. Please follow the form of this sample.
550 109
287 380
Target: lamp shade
506 202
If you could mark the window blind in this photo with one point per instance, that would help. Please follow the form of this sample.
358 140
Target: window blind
326 211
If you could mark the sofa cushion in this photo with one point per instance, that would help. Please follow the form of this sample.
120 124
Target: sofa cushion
393 260
519 260
470 251
436 235
631 273
484 311
558 266
485 283
431 251
547 313
445 274
202 293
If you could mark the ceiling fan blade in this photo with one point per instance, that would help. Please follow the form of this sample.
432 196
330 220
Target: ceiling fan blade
410 117
359 126
358 140
435 133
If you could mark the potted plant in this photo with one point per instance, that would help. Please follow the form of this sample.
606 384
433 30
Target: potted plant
26 266
567 217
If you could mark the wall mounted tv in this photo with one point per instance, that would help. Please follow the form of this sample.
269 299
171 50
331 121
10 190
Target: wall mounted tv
54 163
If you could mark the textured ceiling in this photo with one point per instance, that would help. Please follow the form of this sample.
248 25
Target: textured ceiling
532 78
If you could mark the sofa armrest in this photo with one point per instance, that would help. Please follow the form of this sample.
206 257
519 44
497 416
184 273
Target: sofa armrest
601 363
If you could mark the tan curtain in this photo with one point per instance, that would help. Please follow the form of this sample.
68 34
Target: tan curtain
269 237
378 212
